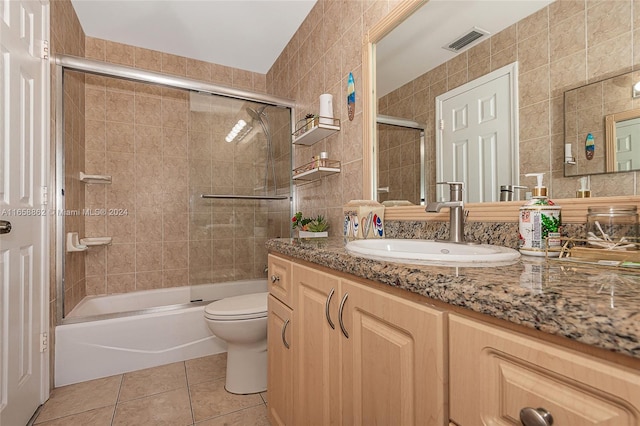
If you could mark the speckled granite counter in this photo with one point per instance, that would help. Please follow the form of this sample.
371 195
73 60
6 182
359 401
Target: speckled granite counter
596 306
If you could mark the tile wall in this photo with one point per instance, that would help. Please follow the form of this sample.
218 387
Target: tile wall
163 148
318 59
563 46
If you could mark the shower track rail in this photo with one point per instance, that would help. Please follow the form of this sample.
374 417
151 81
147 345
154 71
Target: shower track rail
245 197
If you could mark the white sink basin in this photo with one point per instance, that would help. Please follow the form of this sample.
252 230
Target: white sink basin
429 252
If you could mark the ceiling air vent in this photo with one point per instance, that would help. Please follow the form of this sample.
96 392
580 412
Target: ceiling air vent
466 39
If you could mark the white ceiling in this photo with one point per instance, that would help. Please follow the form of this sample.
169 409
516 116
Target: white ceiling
417 42
244 34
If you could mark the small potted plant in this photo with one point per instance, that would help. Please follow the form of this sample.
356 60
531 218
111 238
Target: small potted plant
308 227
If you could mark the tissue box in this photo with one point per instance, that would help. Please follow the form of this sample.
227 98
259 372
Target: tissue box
363 219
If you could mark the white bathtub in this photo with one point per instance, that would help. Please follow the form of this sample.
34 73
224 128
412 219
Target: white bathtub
159 327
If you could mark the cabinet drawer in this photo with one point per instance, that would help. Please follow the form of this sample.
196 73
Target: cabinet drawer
495 373
279 279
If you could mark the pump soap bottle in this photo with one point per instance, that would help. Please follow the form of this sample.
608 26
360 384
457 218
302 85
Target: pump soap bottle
540 223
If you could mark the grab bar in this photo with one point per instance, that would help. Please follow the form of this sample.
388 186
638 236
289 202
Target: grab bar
246 197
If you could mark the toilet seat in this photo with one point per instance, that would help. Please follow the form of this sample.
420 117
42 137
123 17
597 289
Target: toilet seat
248 306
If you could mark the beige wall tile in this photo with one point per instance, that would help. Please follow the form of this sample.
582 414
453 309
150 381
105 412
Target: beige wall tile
567 37
172 64
609 58
607 20
119 53
148 59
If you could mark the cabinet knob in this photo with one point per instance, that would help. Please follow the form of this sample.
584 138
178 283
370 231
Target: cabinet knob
535 417
275 278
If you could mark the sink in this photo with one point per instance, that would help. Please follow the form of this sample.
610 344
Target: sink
430 252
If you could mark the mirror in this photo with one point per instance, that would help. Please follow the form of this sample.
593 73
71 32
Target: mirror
608 111
550 63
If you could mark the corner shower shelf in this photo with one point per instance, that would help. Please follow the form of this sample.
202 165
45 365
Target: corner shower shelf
322 127
312 171
96 241
94 178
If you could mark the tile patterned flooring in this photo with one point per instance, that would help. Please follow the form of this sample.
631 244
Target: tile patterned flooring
181 394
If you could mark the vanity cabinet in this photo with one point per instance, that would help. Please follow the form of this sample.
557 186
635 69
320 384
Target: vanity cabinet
495 373
279 343
361 355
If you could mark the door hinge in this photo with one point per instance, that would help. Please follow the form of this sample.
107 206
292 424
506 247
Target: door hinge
44 342
44 195
44 49
441 124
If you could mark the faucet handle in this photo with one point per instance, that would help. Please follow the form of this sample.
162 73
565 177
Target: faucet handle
455 190
451 183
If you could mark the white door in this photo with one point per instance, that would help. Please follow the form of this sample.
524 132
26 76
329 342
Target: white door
477 141
23 175
628 145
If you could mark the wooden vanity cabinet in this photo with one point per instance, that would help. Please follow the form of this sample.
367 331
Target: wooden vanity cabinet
364 356
394 360
280 343
494 373
389 370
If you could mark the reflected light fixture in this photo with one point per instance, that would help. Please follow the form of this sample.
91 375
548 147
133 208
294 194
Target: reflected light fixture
239 131
635 90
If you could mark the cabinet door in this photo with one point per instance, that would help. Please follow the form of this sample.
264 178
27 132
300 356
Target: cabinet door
495 373
279 279
317 379
394 360
280 363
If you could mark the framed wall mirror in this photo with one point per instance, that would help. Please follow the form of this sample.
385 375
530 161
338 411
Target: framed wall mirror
443 31
549 64
602 126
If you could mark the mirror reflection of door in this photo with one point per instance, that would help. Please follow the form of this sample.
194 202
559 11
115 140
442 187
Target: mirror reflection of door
627 137
475 144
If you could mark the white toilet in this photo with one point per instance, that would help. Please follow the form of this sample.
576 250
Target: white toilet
241 321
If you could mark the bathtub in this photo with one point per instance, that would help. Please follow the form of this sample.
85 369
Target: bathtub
107 335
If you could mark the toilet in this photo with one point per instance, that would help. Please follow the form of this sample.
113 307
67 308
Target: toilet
241 321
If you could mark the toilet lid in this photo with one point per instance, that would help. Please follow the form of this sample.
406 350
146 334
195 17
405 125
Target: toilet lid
247 306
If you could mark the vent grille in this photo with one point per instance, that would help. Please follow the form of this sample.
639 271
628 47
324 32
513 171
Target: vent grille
465 40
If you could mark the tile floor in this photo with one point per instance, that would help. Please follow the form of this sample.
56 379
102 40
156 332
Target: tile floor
181 394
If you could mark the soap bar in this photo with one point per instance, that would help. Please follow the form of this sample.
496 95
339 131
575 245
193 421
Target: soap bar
363 219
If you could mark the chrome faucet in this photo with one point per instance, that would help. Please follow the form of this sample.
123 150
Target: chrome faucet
456 210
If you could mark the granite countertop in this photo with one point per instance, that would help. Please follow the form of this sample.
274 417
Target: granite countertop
592 305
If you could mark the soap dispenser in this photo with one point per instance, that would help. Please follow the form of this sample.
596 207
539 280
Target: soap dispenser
540 223
584 191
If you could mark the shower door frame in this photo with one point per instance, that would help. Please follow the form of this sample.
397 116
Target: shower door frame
408 124
73 63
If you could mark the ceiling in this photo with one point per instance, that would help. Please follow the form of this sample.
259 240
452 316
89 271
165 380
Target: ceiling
417 42
244 34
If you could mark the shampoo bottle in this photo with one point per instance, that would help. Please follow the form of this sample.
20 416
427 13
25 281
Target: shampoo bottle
540 223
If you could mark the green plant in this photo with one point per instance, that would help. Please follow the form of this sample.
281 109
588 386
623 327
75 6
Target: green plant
319 224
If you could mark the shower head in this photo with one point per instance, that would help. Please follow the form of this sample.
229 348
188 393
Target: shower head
258 113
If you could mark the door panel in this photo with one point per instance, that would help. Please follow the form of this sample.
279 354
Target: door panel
318 350
394 369
475 143
23 171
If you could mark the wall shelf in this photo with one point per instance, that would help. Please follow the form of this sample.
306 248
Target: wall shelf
94 178
316 170
324 128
